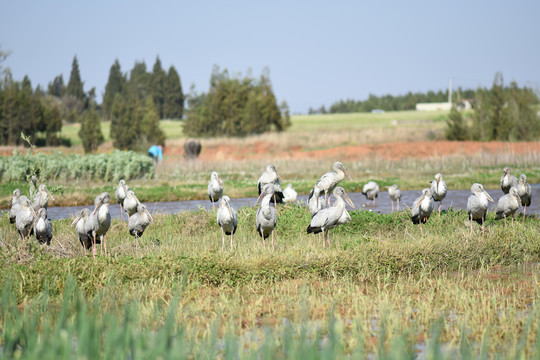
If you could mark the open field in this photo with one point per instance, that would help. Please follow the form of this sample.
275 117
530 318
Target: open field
380 288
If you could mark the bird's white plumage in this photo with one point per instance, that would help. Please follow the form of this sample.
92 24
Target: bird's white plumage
215 187
43 227
508 180
371 190
289 194
508 204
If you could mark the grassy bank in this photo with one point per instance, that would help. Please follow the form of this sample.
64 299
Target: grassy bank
385 286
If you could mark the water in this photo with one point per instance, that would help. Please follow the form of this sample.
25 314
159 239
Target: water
457 199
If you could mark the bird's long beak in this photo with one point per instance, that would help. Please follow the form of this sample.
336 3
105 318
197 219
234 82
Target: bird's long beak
76 220
124 187
489 197
48 192
260 197
10 203
348 200
230 210
34 212
98 206
347 174
151 218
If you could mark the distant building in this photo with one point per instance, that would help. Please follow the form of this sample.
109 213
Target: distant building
433 106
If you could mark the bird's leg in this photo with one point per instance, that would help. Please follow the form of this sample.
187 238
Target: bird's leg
232 240
524 210
273 248
397 204
275 202
328 237
94 250
101 247
321 235
264 243
373 202
483 227
421 231
393 205
512 219
440 207
470 217
121 213
222 239
137 240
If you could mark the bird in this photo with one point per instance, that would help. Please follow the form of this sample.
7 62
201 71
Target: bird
508 204
41 198
24 219
43 227
329 180
14 205
395 195
314 203
371 191
328 218
215 188
120 194
99 221
79 223
130 202
139 221
524 192
508 180
227 219
270 176
477 205
33 188
289 194
438 190
422 208
266 216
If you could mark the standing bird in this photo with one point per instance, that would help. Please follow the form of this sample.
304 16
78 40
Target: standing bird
270 176
130 202
371 191
524 192
41 199
508 205
43 227
99 221
422 208
215 188
329 181
24 219
266 217
33 188
508 180
314 203
438 190
227 219
139 221
79 224
328 218
395 195
477 205
120 194
289 194
14 205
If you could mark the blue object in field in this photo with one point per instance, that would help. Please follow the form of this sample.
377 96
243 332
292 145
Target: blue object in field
156 152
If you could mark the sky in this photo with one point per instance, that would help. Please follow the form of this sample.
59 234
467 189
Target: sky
318 52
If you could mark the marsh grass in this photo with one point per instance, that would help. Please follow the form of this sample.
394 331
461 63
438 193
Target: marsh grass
381 289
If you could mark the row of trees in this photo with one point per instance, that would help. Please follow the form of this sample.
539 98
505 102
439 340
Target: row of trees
390 102
500 113
235 106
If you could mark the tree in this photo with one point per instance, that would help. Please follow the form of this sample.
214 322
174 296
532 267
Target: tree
173 107
52 116
456 127
90 131
57 87
115 84
157 86
150 130
75 84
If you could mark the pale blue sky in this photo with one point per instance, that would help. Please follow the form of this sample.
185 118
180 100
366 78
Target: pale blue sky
318 52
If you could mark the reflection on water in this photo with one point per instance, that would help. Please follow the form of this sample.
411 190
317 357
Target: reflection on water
456 199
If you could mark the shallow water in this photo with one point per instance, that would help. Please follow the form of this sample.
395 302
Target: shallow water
457 199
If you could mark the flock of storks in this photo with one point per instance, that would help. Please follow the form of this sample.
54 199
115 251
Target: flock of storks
30 217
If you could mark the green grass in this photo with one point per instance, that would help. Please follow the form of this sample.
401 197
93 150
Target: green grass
382 285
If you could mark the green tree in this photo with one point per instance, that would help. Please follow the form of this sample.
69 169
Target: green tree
52 116
173 107
150 130
456 128
115 84
90 131
75 84
157 86
57 87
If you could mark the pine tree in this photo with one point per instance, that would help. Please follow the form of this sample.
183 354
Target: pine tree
114 86
456 127
173 108
157 86
53 119
90 131
75 84
27 114
57 87
150 124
